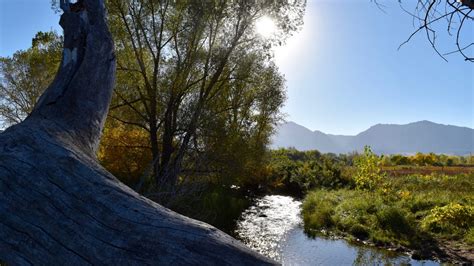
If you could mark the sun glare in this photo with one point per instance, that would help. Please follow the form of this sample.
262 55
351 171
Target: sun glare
265 26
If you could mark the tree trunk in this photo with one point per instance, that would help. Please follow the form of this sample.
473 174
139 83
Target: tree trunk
58 205
155 153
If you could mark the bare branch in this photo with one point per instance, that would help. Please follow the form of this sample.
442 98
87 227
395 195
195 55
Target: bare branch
429 12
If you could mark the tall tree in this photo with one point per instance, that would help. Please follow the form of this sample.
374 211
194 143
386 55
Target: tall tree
236 127
181 56
58 205
25 75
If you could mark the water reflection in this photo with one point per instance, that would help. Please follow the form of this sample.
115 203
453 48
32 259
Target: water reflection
272 226
264 225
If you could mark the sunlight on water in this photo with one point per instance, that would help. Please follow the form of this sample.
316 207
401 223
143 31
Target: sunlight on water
272 226
264 225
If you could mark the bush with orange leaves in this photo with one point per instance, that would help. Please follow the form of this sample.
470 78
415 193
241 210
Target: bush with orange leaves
124 152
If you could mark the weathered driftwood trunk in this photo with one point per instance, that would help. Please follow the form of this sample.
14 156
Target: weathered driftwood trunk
58 205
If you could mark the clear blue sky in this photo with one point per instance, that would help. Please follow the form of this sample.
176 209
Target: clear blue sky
20 20
343 70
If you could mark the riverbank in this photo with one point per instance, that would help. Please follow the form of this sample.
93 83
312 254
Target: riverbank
430 216
421 210
272 226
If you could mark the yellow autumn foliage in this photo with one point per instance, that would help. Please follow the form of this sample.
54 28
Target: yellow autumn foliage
448 217
124 152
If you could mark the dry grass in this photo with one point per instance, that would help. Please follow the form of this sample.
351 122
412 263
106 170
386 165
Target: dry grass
427 170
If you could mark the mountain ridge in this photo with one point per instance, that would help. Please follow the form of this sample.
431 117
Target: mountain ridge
419 136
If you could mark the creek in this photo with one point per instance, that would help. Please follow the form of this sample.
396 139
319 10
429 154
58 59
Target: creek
272 225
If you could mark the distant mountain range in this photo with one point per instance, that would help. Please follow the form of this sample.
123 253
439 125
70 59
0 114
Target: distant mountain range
422 136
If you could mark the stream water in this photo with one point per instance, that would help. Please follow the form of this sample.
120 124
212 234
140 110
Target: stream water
273 227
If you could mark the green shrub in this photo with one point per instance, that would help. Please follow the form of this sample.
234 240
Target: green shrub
393 219
368 174
303 171
449 218
359 231
380 238
321 217
421 205
318 210
469 237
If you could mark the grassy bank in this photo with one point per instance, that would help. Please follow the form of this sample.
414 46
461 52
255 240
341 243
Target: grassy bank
413 211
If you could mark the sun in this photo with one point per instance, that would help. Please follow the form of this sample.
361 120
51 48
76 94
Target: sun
265 26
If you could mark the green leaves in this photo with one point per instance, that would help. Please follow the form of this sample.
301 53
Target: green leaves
194 75
449 218
368 173
307 170
25 75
